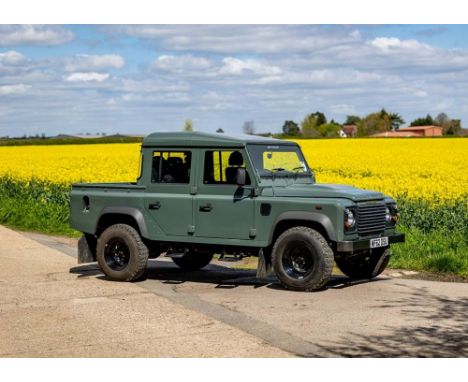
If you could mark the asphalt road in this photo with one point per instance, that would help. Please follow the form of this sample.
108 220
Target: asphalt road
380 318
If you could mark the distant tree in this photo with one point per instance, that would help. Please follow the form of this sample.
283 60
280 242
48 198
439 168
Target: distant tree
449 126
442 120
374 123
396 120
321 119
309 126
188 125
425 121
43 135
220 130
454 128
329 130
249 127
291 128
352 120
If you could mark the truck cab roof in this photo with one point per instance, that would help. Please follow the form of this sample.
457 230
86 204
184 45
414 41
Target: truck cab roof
198 139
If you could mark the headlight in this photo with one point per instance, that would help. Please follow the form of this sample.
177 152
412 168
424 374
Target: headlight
349 219
388 216
391 214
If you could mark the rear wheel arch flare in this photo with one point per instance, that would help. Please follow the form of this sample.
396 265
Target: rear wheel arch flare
121 215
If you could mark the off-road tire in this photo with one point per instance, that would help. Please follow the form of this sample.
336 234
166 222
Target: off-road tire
138 253
193 260
365 266
306 242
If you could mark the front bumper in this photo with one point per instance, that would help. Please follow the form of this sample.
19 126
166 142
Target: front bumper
362 244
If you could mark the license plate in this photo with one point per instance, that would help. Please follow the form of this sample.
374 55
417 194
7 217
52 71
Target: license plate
379 242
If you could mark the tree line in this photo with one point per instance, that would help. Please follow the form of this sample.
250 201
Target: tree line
315 125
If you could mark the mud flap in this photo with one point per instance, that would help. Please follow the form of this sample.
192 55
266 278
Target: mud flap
383 258
86 249
264 267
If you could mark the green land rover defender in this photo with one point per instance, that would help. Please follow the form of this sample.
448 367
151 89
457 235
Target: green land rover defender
203 194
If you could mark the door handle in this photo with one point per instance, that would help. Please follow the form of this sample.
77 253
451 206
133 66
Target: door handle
206 207
154 206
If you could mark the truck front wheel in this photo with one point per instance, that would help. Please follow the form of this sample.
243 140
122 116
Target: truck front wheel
364 266
121 253
302 259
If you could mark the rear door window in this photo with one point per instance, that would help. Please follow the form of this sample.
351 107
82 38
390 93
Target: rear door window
171 167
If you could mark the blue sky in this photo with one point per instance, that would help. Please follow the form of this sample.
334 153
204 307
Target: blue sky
139 79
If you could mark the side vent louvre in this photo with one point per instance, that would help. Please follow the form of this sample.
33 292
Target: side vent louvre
265 209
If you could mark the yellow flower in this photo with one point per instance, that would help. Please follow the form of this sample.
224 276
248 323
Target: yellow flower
429 169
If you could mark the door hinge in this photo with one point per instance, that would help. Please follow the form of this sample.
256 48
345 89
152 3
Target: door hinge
252 233
193 190
191 229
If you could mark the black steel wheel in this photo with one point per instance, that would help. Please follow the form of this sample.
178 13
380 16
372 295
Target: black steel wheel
117 254
121 253
298 261
302 259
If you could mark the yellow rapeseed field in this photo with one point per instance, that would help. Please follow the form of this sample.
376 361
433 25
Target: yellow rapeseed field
431 169
71 163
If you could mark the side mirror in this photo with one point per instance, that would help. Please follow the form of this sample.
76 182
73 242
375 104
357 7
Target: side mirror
241 176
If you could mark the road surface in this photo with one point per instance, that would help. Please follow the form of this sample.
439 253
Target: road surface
50 306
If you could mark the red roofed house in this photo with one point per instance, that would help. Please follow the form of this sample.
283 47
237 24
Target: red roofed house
348 131
412 131
424 131
395 134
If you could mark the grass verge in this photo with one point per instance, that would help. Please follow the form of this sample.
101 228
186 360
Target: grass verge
35 206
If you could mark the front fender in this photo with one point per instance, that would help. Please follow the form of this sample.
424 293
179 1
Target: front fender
314 217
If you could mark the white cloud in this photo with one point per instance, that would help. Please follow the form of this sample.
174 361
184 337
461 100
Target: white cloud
420 93
388 44
11 57
342 109
324 77
34 35
181 63
84 62
355 34
234 38
14 89
236 66
87 77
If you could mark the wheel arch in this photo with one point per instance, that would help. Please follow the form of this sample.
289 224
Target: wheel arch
121 215
319 222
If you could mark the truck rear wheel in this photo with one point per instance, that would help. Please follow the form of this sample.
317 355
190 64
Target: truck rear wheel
121 253
193 260
302 259
365 266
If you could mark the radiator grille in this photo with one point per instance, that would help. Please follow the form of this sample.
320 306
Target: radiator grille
371 217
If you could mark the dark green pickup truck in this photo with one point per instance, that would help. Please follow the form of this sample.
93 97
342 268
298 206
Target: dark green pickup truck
203 194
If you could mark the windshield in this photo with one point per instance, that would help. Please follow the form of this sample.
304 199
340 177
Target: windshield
279 161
